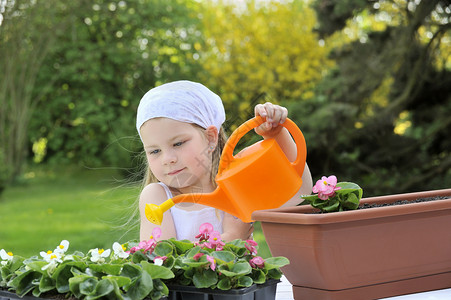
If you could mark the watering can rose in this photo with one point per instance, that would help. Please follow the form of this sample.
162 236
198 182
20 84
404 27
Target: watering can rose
331 196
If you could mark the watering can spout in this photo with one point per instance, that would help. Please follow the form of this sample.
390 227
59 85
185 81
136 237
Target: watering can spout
154 213
217 199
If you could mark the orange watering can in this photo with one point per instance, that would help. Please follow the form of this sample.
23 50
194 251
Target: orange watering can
259 177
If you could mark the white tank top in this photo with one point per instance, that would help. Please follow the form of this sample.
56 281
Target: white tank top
187 223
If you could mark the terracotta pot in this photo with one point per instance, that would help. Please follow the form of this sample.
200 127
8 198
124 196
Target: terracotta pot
364 254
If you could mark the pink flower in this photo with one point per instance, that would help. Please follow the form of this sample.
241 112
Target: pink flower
147 245
214 241
326 187
197 256
163 258
156 233
204 231
257 262
251 246
212 262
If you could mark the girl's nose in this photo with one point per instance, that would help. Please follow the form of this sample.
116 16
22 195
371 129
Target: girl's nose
169 157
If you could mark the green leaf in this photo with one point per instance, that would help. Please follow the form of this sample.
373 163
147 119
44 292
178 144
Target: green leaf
239 251
352 202
223 256
275 262
224 284
258 276
347 185
88 285
238 269
157 272
159 289
193 251
244 281
112 269
24 282
63 273
37 265
310 198
169 262
36 292
75 285
163 249
120 280
46 284
140 287
274 273
131 270
138 256
205 278
333 205
182 246
103 288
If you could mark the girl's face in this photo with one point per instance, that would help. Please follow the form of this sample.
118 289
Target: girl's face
178 154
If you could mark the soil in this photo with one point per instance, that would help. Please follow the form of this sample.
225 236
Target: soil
402 202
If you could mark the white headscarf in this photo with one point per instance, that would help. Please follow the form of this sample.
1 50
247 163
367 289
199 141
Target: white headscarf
184 101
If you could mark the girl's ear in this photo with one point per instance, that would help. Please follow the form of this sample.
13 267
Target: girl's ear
212 137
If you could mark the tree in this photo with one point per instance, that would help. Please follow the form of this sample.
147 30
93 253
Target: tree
392 85
25 40
108 57
261 50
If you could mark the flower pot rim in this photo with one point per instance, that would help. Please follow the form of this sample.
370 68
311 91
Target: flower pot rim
237 291
302 215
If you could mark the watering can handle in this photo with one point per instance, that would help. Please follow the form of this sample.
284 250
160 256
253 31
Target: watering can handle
227 154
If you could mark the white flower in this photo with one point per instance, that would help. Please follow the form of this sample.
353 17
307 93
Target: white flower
62 248
119 250
158 261
6 255
50 256
53 258
99 255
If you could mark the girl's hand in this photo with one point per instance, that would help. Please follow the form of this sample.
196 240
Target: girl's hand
274 115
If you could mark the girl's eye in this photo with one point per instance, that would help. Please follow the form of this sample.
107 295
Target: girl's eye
179 144
156 151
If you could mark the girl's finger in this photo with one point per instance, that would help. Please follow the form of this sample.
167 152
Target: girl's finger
284 115
277 117
260 110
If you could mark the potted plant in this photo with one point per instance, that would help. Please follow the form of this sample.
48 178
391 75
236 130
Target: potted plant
211 268
100 273
150 269
383 251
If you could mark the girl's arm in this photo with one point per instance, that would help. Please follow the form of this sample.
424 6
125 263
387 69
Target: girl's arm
234 228
154 193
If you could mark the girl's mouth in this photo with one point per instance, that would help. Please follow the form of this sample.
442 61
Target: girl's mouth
175 172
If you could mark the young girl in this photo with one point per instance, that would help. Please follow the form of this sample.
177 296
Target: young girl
180 125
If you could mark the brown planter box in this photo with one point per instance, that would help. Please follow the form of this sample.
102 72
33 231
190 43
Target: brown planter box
364 254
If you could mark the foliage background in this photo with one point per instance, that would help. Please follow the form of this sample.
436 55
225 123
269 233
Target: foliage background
368 82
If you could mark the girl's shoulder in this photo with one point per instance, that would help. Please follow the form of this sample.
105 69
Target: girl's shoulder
153 193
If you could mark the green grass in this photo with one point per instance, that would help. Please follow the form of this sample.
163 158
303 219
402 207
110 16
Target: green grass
84 207
89 208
